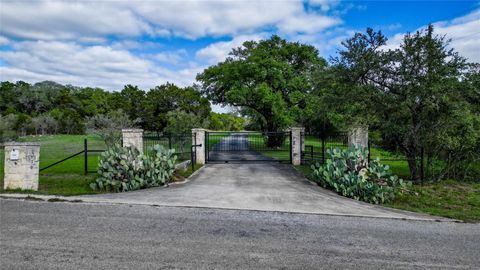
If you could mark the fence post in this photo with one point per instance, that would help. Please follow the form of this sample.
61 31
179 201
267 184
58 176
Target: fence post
369 157
22 168
85 154
198 138
323 147
169 141
133 137
296 144
358 137
422 174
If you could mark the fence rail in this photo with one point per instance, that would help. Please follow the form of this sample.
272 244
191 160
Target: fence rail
316 145
85 153
181 143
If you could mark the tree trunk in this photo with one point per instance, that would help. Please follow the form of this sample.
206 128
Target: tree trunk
412 165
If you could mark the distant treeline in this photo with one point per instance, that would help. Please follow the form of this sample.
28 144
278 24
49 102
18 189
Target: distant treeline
51 108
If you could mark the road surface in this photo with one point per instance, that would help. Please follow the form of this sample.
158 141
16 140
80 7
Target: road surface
47 235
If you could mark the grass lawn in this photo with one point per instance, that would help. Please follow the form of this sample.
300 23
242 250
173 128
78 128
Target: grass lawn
451 199
398 164
182 144
67 177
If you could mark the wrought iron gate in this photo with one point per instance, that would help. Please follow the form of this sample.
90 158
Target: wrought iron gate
248 146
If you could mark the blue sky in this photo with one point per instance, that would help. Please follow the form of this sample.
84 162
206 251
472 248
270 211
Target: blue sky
146 43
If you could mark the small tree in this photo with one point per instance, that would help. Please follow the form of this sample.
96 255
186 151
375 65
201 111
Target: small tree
415 90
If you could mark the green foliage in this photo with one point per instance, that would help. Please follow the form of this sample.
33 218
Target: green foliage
181 122
268 79
226 121
420 94
347 173
123 169
167 98
51 108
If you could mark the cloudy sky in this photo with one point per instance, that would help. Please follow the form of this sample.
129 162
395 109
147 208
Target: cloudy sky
147 43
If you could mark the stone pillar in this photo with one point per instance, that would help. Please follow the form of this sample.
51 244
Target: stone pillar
198 137
297 133
22 165
133 137
358 137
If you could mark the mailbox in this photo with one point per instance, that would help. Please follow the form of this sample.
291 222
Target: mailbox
14 154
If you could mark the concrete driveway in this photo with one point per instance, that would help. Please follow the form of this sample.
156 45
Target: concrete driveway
253 186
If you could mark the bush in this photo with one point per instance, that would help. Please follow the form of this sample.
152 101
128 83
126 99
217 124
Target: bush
123 169
348 173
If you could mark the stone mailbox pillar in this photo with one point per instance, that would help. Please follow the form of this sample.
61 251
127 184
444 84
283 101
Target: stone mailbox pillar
198 137
22 164
297 140
133 137
358 137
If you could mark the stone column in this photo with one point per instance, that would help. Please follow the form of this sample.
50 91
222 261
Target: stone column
133 137
198 138
358 137
297 133
22 165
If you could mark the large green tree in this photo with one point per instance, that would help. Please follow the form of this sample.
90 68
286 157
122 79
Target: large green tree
169 97
268 79
415 91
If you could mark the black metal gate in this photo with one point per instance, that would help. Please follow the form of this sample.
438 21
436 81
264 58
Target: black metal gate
248 146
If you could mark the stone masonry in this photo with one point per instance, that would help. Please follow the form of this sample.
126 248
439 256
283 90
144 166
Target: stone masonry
297 142
358 137
198 137
133 137
22 161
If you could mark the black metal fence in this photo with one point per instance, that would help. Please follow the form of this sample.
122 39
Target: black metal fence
316 145
181 143
248 146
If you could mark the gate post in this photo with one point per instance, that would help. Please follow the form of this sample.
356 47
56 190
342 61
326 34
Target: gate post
133 137
297 144
358 137
198 138
22 162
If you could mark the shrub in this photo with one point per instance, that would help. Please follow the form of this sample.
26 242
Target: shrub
158 166
123 169
348 173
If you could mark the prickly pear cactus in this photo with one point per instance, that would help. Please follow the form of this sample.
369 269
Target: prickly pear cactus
348 173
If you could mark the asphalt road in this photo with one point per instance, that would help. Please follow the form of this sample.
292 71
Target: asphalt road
43 235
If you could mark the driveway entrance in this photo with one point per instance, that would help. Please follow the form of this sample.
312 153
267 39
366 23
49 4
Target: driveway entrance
248 147
253 186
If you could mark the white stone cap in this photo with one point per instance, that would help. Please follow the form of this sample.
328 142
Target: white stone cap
21 144
132 130
199 129
297 128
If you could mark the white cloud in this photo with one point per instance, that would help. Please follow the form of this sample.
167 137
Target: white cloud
71 63
53 20
218 51
4 41
463 31
325 5
170 57
307 23
50 20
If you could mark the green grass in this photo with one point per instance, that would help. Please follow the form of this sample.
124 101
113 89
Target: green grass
397 163
451 199
181 144
67 177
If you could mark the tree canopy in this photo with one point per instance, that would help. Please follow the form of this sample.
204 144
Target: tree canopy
268 79
416 92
